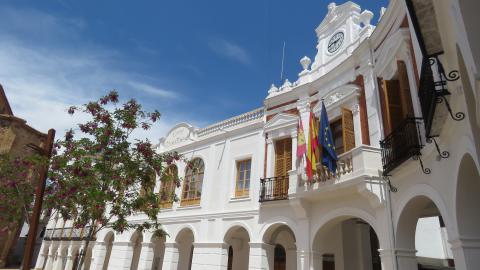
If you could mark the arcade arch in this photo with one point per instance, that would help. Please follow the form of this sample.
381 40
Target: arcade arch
238 250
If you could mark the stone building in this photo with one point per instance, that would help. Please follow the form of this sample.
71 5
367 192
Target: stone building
15 135
402 98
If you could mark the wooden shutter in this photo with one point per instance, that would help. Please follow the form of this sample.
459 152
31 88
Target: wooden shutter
348 131
394 104
283 156
404 87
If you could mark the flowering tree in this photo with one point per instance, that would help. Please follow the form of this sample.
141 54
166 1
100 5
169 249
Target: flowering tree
102 177
17 184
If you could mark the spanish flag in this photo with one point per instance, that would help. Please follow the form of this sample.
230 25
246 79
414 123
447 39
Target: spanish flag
312 148
301 143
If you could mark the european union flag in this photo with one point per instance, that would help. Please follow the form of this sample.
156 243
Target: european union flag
325 139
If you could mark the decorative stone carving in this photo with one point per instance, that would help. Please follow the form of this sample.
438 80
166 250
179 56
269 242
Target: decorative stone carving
287 85
178 135
273 89
305 62
333 98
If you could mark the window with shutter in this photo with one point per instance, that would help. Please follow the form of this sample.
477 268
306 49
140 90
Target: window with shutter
397 100
168 185
406 98
243 178
337 133
348 132
283 157
394 105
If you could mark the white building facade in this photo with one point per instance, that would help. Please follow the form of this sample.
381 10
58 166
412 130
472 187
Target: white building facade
402 98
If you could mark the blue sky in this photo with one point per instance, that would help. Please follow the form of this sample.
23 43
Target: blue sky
195 61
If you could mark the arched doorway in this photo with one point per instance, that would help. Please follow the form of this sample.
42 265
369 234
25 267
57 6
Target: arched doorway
230 258
237 239
136 243
346 243
284 250
108 242
185 240
421 235
158 252
467 214
279 258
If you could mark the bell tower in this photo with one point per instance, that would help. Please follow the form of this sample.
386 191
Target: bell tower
340 32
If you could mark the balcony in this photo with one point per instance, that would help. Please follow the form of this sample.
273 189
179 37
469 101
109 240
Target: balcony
403 143
60 234
353 167
274 188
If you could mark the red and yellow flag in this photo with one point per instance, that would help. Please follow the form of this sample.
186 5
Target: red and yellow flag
301 143
312 148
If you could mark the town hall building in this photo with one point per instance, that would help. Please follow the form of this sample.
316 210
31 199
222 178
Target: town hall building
402 96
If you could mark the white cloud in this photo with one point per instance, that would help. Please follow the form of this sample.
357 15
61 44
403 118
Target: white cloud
230 50
42 81
153 90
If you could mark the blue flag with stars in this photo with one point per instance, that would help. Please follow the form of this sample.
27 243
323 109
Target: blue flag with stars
325 140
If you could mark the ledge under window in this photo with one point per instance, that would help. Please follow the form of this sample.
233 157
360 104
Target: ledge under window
190 202
240 199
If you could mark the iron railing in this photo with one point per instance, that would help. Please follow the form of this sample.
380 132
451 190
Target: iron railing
274 188
403 143
74 234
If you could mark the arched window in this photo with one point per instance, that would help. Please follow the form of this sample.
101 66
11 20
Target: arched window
192 188
148 184
168 185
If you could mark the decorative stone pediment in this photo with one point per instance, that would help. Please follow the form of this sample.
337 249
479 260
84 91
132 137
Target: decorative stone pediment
281 121
178 135
343 96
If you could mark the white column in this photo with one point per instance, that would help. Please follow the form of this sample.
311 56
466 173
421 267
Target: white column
42 256
292 258
261 256
51 257
270 158
406 258
146 257
98 256
357 125
121 257
208 256
170 259
466 253
364 246
387 256
72 251
57 264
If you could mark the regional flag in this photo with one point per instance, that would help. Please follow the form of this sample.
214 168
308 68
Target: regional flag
301 144
312 148
325 139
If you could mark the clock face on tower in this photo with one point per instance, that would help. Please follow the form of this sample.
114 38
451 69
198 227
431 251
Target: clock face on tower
335 42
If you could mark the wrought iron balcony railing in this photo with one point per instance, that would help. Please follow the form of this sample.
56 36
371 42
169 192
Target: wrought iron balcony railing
403 143
274 188
61 234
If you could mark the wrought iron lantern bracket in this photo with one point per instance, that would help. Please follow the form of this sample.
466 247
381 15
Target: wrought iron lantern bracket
424 169
441 154
441 85
387 180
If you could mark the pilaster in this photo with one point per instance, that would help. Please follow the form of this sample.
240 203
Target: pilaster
466 252
261 256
